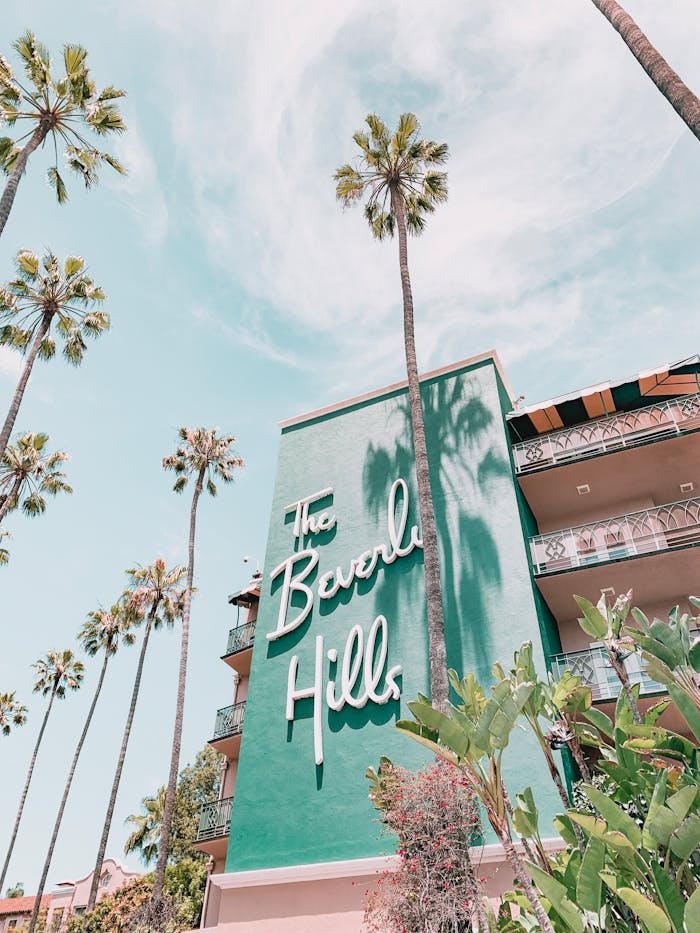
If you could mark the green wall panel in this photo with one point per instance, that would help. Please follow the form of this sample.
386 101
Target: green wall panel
287 809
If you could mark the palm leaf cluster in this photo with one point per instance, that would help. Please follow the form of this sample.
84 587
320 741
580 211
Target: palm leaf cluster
203 451
12 713
396 172
57 673
65 108
28 474
45 292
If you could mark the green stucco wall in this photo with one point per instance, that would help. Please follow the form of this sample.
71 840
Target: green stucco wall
288 810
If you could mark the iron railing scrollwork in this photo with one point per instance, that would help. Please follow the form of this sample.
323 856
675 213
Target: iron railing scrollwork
624 429
229 721
593 666
643 532
215 820
241 637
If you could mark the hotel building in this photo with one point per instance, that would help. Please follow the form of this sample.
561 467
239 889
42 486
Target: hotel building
594 492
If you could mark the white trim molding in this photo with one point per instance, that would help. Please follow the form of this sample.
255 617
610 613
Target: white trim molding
396 386
348 868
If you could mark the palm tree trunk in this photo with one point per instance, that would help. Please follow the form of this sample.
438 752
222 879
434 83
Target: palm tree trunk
521 874
25 790
8 195
619 667
163 847
11 497
673 88
120 764
22 384
563 792
66 791
439 685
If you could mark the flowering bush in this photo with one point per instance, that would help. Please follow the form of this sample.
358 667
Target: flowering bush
435 817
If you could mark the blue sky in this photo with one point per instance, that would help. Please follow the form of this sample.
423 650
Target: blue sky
240 294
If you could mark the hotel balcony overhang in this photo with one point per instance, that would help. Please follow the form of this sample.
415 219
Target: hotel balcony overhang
214 827
228 730
239 648
654 552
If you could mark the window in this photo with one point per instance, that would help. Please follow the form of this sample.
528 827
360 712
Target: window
106 878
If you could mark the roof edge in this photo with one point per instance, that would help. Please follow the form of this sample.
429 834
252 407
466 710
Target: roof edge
397 386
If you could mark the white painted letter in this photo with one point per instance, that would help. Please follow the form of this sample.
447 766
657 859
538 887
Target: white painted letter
291 585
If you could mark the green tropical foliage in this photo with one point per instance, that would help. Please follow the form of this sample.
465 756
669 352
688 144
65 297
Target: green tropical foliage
17 890
12 713
630 856
67 108
47 298
28 474
198 784
147 826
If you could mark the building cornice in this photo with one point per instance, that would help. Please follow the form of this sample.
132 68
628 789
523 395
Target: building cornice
397 386
348 868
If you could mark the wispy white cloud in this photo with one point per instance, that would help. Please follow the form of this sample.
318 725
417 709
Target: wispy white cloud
10 363
549 119
248 332
141 187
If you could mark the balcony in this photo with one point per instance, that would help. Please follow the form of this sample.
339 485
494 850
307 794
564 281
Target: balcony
616 432
238 650
663 528
215 820
593 667
228 730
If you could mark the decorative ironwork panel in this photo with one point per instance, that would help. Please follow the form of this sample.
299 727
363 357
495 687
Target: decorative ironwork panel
666 526
241 637
215 820
593 666
229 721
624 429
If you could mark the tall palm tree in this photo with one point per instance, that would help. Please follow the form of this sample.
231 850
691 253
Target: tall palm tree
154 592
31 303
56 673
12 713
27 473
397 176
102 631
148 826
203 456
677 93
63 109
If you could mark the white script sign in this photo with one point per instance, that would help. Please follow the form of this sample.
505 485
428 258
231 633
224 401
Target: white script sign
378 686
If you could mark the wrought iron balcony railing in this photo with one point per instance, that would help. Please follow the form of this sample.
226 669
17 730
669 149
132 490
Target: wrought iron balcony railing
215 820
625 429
240 638
593 667
666 526
229 721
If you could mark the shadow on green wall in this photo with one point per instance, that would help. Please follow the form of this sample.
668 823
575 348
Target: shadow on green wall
464 474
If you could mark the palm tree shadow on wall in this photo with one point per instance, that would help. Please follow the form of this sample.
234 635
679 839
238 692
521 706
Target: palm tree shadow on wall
465 467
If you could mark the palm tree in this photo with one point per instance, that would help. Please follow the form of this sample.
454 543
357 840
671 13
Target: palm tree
12 713
26 471
673 88
102 631
56 673
63 109
148 826
398 177
153 592
29 305
205 456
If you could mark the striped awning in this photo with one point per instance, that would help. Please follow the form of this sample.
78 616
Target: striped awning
669 380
